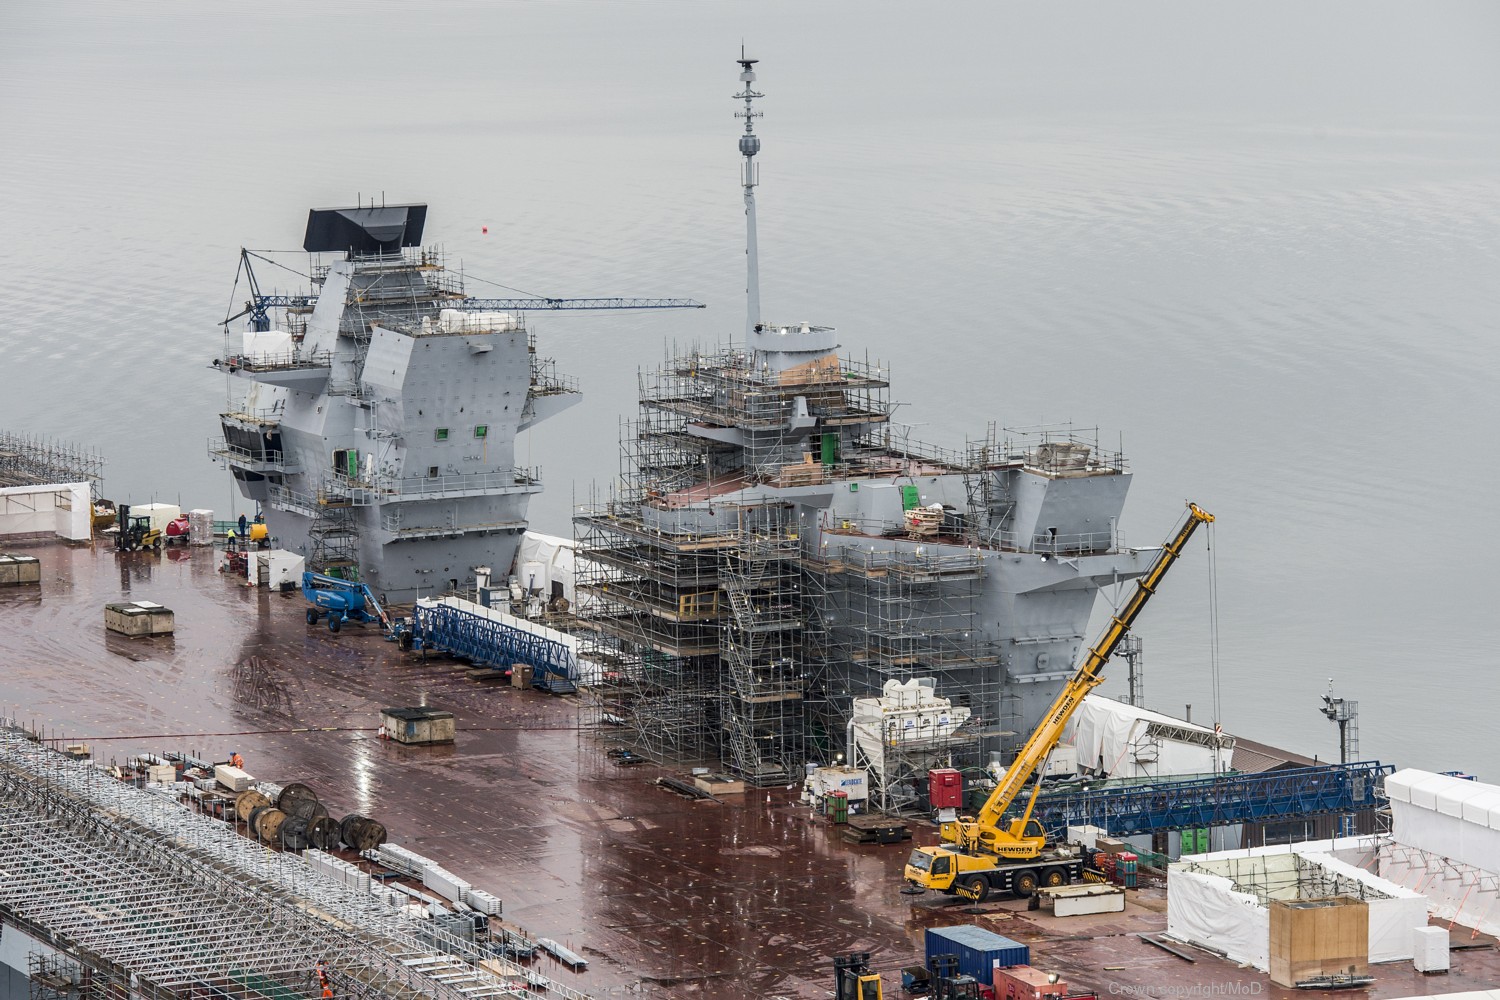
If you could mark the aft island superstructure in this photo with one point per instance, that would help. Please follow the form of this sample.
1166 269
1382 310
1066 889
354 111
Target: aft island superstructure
775 551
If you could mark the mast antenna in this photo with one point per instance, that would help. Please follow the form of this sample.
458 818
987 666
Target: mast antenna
749 146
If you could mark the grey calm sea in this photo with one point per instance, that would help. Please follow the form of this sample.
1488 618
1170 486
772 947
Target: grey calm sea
1256 243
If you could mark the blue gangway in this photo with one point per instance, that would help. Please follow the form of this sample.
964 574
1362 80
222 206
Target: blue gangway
1221 800
485 641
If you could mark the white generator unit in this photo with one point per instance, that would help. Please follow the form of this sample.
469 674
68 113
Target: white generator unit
852 781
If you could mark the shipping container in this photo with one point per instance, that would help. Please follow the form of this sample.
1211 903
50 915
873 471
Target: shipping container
979 951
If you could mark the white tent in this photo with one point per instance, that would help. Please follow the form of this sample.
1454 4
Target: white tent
554 557
1130 742
1446 843
62 509
1222 900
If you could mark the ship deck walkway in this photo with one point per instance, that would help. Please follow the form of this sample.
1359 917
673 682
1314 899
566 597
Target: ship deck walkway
1269 797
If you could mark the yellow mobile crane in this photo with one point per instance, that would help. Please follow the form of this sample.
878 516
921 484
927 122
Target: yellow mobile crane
982 853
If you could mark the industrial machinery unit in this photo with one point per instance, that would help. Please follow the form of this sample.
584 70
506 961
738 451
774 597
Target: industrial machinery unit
340 601
984 852
135 532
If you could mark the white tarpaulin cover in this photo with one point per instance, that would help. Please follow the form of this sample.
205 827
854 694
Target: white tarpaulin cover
556 556
1131 742
1209 910
1394 915
1278 871
1447 816
62 509
265 345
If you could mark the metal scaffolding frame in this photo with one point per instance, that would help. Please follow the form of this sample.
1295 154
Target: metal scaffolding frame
26 460
767 696
697 633
899 614
651 634
135 888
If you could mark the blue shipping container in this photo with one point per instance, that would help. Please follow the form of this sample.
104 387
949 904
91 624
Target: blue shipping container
978 950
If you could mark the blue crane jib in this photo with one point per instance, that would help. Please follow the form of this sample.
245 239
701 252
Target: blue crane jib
489 638
263 302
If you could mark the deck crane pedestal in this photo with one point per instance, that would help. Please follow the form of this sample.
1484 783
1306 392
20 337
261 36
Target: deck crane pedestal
984 853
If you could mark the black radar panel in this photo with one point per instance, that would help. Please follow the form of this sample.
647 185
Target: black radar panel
364 232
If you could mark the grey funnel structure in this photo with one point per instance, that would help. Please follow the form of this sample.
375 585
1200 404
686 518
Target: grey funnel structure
377 429
775 552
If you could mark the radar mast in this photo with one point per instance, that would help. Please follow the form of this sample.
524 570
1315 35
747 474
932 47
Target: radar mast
749 146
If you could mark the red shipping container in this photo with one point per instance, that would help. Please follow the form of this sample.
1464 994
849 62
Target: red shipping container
945 788
1022 982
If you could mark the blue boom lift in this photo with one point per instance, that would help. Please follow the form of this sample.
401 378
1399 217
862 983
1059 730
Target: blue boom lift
341 601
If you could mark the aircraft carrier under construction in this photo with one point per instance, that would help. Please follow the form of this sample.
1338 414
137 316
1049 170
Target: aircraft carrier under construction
782 580
777 551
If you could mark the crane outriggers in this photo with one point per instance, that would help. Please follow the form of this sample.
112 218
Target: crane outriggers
984 853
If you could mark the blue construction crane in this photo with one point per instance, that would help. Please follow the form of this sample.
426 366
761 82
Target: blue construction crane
259 305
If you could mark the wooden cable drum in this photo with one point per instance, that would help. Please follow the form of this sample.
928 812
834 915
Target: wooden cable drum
254 815
308 809
323 833
292 794
361 833
248 800
268 825
293 834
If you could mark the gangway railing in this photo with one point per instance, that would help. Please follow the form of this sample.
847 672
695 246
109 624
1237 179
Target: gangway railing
1222 800
486 637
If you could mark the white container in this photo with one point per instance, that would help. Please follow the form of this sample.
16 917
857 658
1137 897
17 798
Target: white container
161 514
1062 762
1086 835
1084 899
1430 949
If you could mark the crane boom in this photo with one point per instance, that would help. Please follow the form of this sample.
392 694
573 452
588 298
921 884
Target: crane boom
260 303
985 830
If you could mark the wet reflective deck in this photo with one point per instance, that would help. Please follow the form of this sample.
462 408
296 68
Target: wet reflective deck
749 896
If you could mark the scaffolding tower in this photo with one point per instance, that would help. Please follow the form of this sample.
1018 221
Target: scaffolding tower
651 633
904 614
760 648
697 609
26 460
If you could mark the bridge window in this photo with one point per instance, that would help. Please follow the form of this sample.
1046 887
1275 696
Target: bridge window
480 430
441 434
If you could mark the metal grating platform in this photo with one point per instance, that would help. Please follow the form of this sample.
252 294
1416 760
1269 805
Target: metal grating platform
136 888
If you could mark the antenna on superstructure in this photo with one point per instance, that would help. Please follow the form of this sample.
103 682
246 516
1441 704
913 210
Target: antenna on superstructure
1346 714
749 146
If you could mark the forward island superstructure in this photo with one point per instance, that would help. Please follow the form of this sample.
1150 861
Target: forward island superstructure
774 552
378 431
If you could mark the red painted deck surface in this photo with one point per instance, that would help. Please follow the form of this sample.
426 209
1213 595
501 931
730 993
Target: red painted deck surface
663 896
